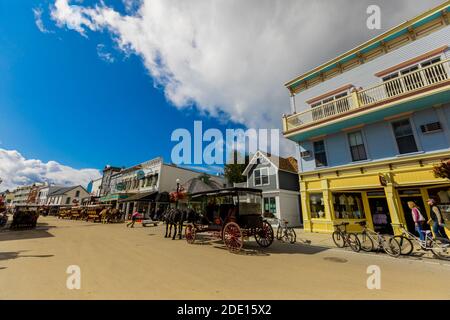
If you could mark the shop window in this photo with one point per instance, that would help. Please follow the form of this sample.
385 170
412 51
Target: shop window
320 154
348 206
404 136
357 148
317 206
270 206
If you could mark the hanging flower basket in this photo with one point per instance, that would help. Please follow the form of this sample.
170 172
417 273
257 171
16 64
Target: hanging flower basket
442 170
177 196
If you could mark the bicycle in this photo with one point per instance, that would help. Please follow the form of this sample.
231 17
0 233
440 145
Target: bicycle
342 238
440 247
371 240
285 233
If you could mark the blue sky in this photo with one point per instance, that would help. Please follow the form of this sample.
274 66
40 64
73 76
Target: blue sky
59 100
85 83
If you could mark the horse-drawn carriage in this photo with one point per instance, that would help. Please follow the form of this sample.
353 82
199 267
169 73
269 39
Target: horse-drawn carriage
25 217
231 214
64 213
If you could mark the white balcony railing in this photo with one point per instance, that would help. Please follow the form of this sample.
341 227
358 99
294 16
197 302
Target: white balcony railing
405 84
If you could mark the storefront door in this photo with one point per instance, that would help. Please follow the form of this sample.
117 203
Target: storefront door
407 211
381 217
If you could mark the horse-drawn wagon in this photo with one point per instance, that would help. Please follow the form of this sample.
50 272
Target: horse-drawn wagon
25 217
231 214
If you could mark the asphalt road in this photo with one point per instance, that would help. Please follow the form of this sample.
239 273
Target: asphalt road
120 263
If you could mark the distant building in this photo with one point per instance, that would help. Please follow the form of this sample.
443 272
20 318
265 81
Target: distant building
144 186
94 187
105 186
62 196
26 195
277 177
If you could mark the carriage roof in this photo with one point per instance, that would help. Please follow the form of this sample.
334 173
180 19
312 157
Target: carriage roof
226 191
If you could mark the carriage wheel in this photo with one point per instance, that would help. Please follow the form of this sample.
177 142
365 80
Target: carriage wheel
264 236
232 237
189 233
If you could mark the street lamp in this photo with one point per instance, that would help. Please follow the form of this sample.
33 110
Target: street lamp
178 190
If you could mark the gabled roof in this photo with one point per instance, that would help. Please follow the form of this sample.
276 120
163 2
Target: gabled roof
195 185
62 190
285 164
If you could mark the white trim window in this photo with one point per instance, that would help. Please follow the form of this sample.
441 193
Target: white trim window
261 177
357 148
404 136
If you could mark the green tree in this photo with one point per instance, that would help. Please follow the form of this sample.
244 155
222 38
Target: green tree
233 171
442 170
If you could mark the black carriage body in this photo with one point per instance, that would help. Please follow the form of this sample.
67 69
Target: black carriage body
240 205
232 214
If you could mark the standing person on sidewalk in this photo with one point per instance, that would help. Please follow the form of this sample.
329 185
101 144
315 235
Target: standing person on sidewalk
134 217
438 225
418 219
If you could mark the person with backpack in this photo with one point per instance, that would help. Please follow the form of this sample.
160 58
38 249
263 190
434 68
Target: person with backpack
418 218
437 220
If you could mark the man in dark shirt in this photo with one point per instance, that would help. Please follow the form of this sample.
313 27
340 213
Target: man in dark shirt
438 224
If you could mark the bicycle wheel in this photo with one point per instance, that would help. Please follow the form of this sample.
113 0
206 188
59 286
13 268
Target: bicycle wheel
353 242
392 247
406 245
279 233
366 242
293 236
441 250
338 239
290 235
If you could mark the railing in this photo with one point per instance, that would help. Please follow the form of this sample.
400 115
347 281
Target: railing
397 87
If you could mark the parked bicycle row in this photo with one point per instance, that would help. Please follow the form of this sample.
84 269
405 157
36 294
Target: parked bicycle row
401 244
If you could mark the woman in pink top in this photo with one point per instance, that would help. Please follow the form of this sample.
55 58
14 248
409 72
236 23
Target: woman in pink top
418 219
135 216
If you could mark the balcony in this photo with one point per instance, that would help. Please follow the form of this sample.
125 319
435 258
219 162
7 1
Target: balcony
411 86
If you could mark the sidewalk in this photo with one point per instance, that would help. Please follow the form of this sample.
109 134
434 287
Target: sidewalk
325 240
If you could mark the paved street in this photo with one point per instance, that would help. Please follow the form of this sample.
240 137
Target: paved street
121 263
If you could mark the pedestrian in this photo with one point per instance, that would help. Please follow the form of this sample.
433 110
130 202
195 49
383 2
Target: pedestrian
418 219
437 220
134 217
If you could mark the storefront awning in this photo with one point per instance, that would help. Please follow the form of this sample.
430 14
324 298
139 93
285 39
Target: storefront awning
144 196
114 197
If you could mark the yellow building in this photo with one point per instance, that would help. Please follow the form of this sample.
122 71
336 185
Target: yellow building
371 124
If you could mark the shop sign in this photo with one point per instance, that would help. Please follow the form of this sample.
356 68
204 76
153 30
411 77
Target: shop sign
120 186
140 175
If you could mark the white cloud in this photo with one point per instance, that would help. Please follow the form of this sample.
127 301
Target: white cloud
103 54
230 58
16 170
39 22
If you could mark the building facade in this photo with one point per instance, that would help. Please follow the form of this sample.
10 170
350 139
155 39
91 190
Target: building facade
371 124
21 195
94 187
278 179
66 196
138 187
